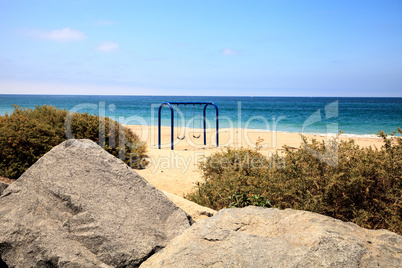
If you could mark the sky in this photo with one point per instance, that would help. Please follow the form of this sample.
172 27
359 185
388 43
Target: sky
188 47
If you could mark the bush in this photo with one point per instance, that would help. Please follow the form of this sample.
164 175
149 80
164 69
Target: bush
234 178
27 134
364 185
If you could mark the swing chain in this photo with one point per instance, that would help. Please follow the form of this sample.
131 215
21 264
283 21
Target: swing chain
194 136
182 138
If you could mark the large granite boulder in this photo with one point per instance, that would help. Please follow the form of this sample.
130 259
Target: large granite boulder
79 206
260 237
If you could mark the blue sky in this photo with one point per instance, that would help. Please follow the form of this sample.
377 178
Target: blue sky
220 47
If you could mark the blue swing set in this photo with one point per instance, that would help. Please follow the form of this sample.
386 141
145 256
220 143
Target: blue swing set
170 105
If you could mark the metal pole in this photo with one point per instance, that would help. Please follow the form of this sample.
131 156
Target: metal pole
159 126
171 124
205 125
217 124
171 127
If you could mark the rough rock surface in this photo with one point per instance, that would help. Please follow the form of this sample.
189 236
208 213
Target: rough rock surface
79 206
258 237
3 186
196 211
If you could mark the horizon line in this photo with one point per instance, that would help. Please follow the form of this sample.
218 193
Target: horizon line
161 95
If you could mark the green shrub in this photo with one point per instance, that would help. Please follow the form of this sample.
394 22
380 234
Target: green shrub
232 178
27 134
362 185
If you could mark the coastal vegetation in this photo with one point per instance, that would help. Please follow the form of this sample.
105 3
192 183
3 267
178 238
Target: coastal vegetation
360 184
27 134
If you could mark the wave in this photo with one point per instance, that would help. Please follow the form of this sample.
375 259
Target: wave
367 136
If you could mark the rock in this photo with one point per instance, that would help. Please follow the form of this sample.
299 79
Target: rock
79 206
261 237
196 211
3 186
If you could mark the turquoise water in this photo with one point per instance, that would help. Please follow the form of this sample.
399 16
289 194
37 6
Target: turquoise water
355 116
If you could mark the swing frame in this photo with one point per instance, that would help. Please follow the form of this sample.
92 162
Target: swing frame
206 104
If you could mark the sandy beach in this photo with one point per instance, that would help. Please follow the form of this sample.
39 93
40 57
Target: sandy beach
177 171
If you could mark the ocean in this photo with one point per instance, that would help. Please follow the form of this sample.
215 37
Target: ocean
317 115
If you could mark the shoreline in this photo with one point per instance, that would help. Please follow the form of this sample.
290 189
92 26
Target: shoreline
352 135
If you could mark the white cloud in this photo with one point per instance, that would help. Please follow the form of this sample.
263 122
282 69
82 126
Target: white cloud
108 46
62 35
229 51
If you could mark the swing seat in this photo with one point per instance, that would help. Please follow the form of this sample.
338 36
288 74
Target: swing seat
194 134
181 138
